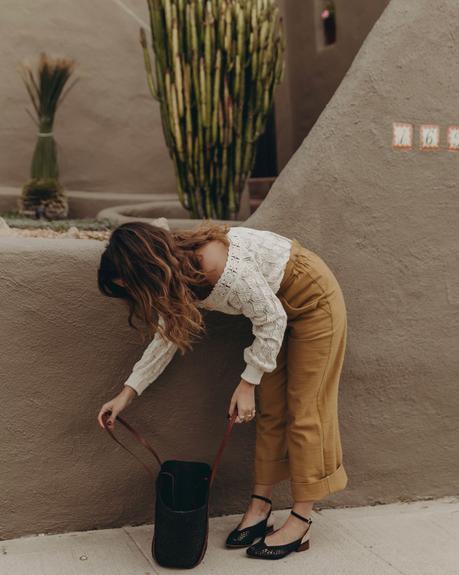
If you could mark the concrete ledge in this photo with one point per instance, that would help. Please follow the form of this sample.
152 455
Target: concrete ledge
119 208
177 216
86 204
65 351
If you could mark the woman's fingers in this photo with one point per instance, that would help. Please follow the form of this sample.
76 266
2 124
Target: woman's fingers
244 401
244 418
240 412
232 406
99 417
248 417
245 414
112 418
107 408
240 416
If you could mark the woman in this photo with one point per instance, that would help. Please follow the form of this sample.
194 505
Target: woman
292 367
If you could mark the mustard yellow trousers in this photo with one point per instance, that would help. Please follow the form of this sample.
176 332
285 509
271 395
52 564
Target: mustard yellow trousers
297 428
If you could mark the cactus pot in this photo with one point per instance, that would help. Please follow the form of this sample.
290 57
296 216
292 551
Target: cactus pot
177 216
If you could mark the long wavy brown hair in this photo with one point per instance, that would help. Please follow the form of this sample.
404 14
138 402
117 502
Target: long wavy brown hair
157 272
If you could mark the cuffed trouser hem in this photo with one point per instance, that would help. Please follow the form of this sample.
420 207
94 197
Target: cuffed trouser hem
271 472
319 489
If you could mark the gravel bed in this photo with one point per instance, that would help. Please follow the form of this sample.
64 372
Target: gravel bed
43 229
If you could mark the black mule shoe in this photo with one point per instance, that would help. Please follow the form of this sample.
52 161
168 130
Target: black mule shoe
245 537
262 551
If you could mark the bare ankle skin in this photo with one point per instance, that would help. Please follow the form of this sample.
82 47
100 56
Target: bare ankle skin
304 508
293 528
257 509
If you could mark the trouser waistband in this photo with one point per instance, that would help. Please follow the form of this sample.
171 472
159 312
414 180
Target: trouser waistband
295 249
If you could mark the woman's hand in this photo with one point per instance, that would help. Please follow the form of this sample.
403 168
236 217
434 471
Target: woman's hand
244 399
116 406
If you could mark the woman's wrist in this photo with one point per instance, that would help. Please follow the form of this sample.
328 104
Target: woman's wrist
128 392
247 384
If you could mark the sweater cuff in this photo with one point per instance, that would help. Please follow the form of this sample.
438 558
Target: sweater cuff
252 374
136 385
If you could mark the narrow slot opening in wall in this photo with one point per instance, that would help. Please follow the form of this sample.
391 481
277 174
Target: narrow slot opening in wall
328 22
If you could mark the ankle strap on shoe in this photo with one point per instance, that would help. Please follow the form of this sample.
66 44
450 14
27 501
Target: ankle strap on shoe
305 519
255 496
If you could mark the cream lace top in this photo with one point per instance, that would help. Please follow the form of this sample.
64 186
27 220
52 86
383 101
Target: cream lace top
252 275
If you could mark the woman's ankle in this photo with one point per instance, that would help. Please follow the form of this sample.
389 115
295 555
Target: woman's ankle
260 504
263 490
295 524
258 508
303 508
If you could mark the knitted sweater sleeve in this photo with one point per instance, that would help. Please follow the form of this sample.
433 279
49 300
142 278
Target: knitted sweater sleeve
251 294
153 362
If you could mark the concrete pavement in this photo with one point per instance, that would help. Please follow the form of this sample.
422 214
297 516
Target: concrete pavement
418 538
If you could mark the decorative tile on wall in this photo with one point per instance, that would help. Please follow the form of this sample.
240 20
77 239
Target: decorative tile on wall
402 136
429 137
453 138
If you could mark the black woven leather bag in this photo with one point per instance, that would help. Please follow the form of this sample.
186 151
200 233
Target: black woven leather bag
182 503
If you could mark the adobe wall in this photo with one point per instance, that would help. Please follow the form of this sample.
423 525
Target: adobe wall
384 220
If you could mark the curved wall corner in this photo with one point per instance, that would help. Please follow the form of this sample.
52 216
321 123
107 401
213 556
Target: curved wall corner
170 208
386 222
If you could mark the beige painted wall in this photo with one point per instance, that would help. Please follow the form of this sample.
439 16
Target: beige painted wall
313 72
65 351
109 129
386 222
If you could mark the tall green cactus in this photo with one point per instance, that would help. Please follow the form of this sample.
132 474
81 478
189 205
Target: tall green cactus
217 63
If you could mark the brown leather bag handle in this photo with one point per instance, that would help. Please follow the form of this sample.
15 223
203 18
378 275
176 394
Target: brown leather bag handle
145 443
138 437
222 446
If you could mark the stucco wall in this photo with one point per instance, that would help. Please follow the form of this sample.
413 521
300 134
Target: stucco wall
314 71
385 222
109 128
65 351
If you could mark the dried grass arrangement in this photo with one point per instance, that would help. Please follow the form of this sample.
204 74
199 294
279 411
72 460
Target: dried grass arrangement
43 195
